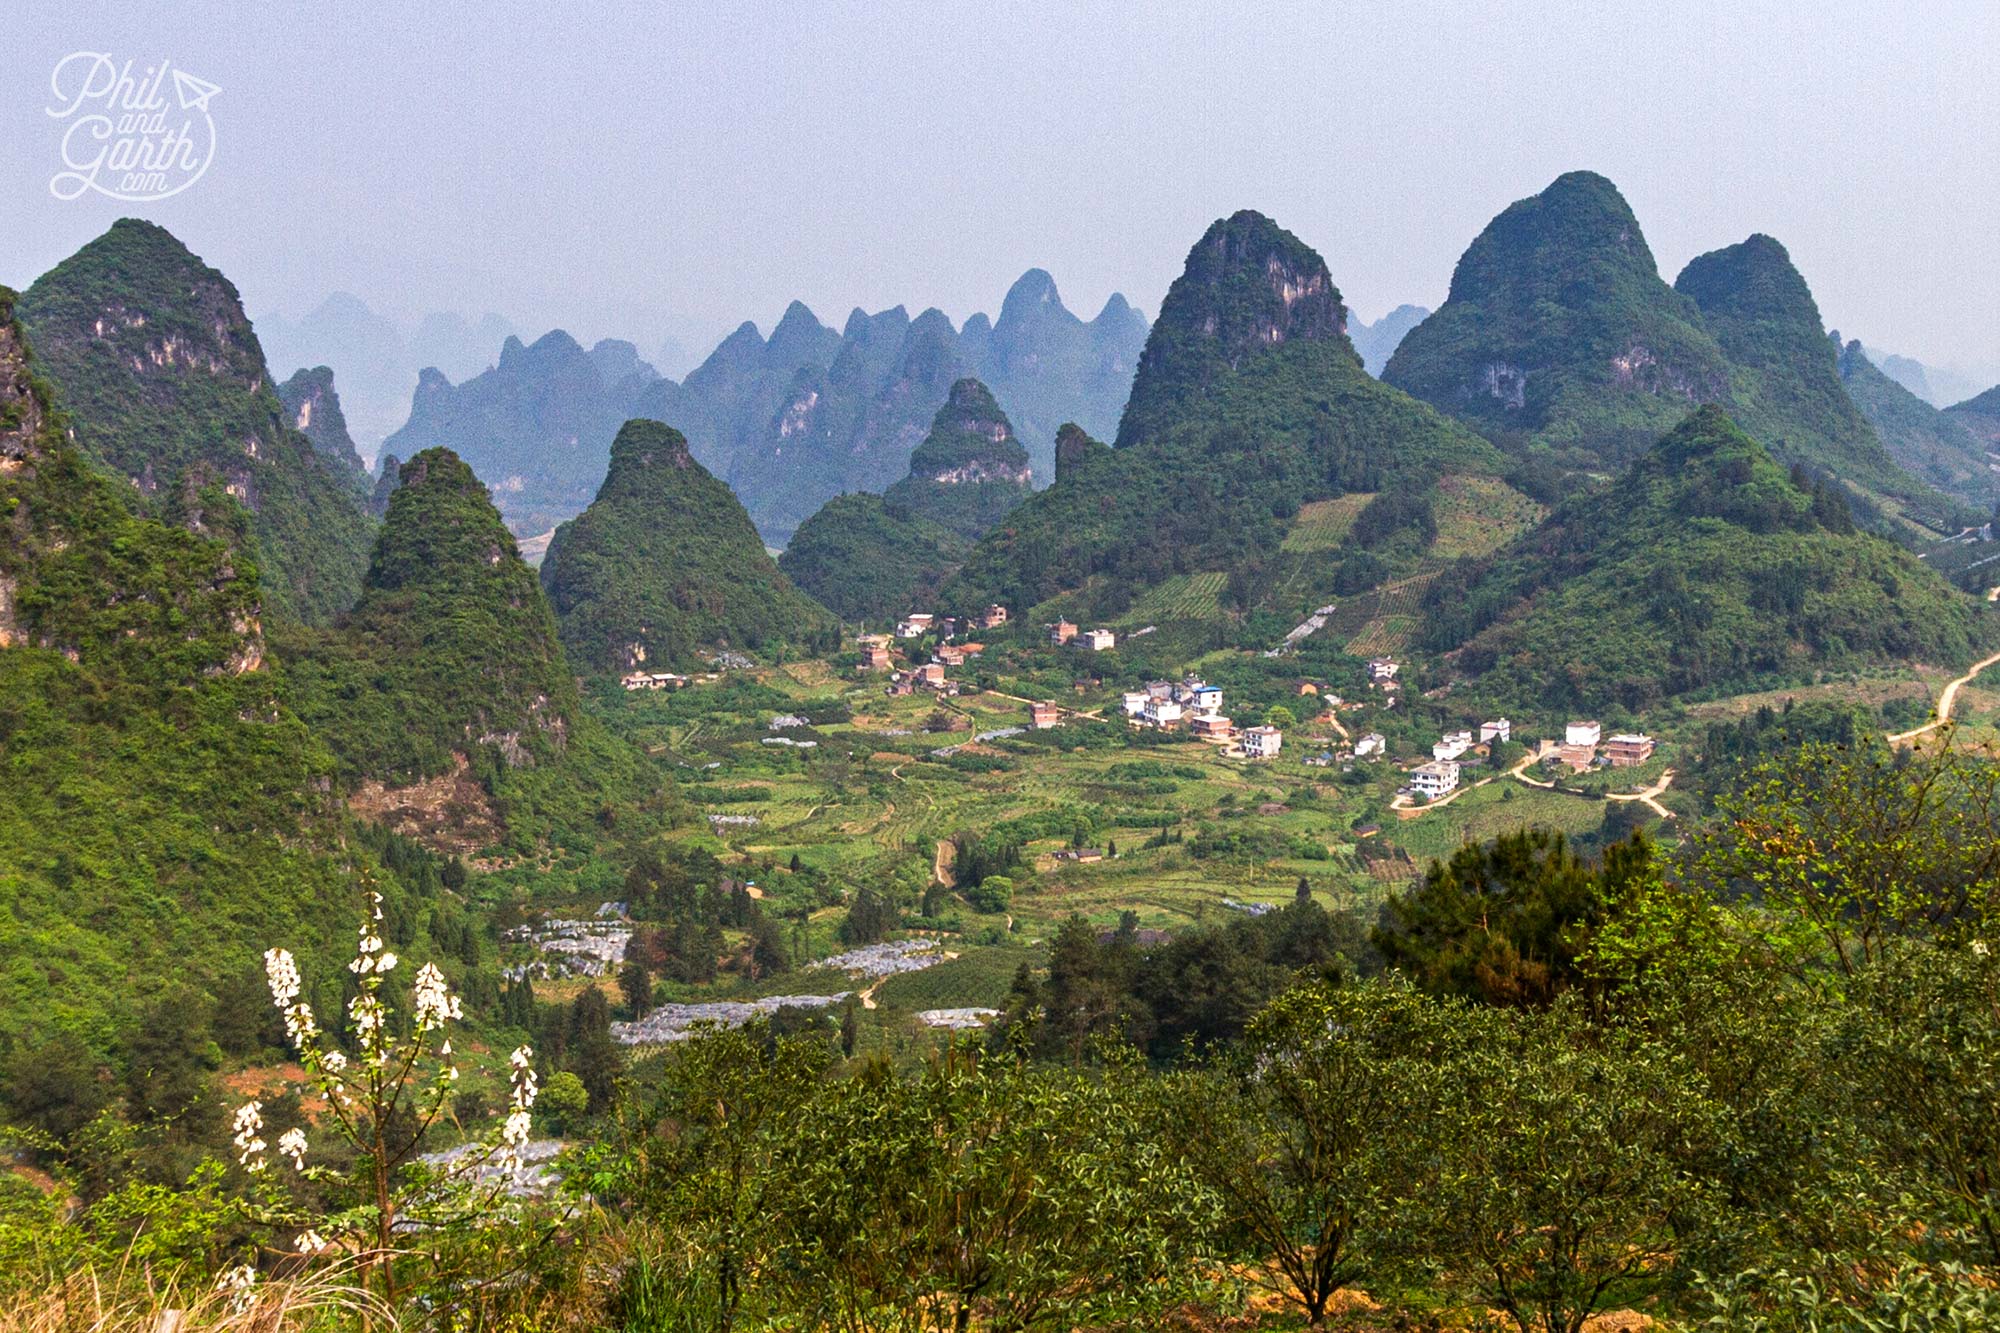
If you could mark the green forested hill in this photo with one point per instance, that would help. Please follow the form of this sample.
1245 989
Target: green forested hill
665 563
969 471
454 641
166 385
1703 565
166 815
1938 447
867 562
1560 341
1558 331
1785 387
1249 403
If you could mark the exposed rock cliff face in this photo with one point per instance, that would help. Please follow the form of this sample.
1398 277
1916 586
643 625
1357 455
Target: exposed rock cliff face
970 470
314 406
1249 285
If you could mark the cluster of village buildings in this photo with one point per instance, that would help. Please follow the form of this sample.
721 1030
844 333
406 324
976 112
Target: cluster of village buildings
1195 706
1582 747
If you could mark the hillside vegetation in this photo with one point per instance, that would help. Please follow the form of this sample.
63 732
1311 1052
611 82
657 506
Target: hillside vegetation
1703 565
165 381
1249 403
665 564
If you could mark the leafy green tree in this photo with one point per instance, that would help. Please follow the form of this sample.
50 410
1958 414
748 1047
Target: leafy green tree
985 1187
1507 921
588 1050
1923 1043
1564 1185
635 983
1281 717
1303 1132
706 1160
562 1102
1856 849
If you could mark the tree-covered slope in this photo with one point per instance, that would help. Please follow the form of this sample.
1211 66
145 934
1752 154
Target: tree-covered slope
1704 565
1558 331
165 384
452 646
1249 402
870 563
665 563
165 815
310 398
1936 447
969 471
1785 387
1981 416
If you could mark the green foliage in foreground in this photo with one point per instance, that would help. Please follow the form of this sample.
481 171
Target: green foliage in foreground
1703 565
1721 1114
665 563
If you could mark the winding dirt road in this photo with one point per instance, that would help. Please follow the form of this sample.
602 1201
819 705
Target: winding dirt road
1946 699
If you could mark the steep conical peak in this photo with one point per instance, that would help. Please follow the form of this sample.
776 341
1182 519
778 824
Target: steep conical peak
1579 221
971 422
798 317
441 470
1031 299
164 381
388 477
665 563
970 470
1752 280
1250 283
1249 286
643 446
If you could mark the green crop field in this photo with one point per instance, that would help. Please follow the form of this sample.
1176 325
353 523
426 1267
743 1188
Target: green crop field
1322 524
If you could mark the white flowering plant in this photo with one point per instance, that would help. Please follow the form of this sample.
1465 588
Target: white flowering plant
382 1097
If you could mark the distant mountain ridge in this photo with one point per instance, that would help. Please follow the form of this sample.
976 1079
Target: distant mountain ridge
1938 447
789 421
1378 342
536 427
872 557
377 358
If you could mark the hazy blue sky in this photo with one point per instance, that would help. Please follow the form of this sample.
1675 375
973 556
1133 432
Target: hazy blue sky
679 168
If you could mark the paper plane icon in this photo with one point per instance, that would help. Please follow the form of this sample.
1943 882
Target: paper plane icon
194 93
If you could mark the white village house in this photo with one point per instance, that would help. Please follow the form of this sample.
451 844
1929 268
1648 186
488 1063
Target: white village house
1262 742
1435 779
